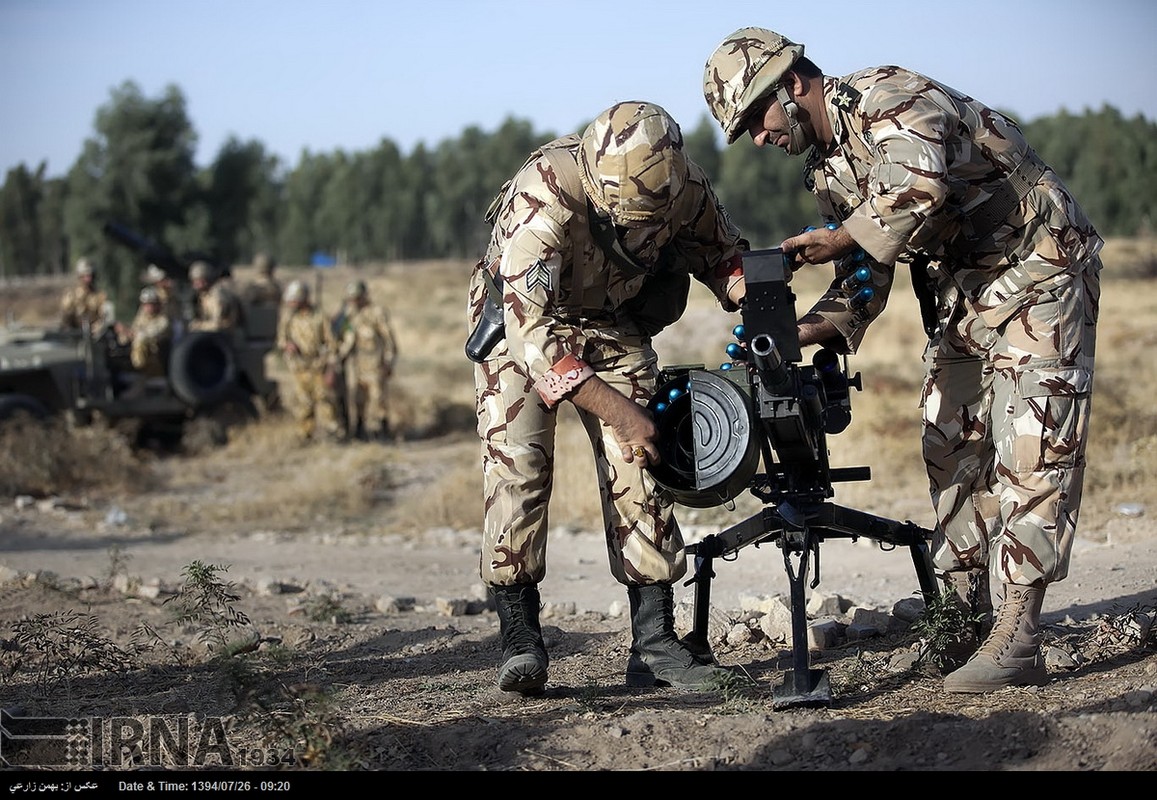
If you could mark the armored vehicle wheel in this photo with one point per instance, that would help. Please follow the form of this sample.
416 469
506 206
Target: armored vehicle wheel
203 368
17 406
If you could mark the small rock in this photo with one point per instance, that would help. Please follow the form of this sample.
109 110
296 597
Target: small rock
455 607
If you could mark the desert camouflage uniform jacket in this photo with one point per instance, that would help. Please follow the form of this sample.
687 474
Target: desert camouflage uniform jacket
911 168
369 338
83 308
557 279
218 309
149 334
310 333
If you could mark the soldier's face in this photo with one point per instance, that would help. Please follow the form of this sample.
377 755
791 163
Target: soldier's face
767 124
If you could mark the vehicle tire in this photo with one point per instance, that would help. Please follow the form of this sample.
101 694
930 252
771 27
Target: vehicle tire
203 368
16 406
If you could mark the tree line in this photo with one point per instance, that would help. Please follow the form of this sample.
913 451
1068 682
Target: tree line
137 168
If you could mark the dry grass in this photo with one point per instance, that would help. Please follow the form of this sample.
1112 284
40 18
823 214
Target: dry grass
432 408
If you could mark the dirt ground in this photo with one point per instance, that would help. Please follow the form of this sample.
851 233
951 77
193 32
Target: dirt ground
376 652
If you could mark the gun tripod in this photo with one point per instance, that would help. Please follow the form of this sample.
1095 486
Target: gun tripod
797 529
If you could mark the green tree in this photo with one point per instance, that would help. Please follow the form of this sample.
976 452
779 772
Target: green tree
20 246
137 169
242 194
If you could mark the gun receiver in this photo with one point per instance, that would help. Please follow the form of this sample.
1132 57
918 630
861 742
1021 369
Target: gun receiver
717 426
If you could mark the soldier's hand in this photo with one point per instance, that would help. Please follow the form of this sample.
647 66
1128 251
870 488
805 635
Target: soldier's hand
817 245
631 424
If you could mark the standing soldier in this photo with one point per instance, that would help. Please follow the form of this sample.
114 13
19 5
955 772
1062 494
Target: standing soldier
217 307
84 307
264 289
368 351
309 349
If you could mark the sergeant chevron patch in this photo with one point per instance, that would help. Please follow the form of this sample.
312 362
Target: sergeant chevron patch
538 275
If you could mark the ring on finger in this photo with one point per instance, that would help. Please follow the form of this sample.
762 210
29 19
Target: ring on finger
639 451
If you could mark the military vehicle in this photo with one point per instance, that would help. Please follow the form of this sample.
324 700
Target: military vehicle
214 379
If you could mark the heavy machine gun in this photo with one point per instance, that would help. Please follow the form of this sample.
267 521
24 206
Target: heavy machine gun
717 426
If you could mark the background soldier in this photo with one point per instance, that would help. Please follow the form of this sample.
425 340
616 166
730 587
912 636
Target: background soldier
368 353
265 289
579 316
149 335
217 308
162 283
1006 266
84 307
308 347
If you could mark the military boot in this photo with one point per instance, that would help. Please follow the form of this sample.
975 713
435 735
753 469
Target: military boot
973 599
658 657
524 659
1011 654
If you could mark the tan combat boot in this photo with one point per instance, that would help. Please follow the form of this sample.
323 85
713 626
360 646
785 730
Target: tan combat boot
973 599
1011 655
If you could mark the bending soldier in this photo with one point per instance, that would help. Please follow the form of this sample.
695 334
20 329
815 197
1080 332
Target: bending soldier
595 240
1006 267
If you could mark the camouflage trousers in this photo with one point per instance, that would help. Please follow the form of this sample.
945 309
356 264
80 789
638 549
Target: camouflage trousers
366 395
644 543
1006 419
314 404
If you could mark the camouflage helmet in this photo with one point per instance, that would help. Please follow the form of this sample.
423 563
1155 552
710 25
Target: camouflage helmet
744 69
149 295
355 290
84 267
296 292
264 263
201 270
631 162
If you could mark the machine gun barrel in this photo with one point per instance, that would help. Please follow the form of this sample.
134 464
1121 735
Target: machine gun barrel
773 370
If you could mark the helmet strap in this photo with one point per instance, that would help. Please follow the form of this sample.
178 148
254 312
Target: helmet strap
796 141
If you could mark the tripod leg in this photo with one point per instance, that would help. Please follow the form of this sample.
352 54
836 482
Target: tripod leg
696 641
804 686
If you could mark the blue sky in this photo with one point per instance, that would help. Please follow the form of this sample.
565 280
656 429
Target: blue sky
344 74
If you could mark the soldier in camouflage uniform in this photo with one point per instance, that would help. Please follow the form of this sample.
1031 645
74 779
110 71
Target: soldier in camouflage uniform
310 352
265 289
217 307
84 307
368 352
579 313
162 283
148 336
908 170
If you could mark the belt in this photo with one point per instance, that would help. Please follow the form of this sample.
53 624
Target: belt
1015 187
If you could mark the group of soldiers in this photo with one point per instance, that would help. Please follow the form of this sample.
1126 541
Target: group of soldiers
340 367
